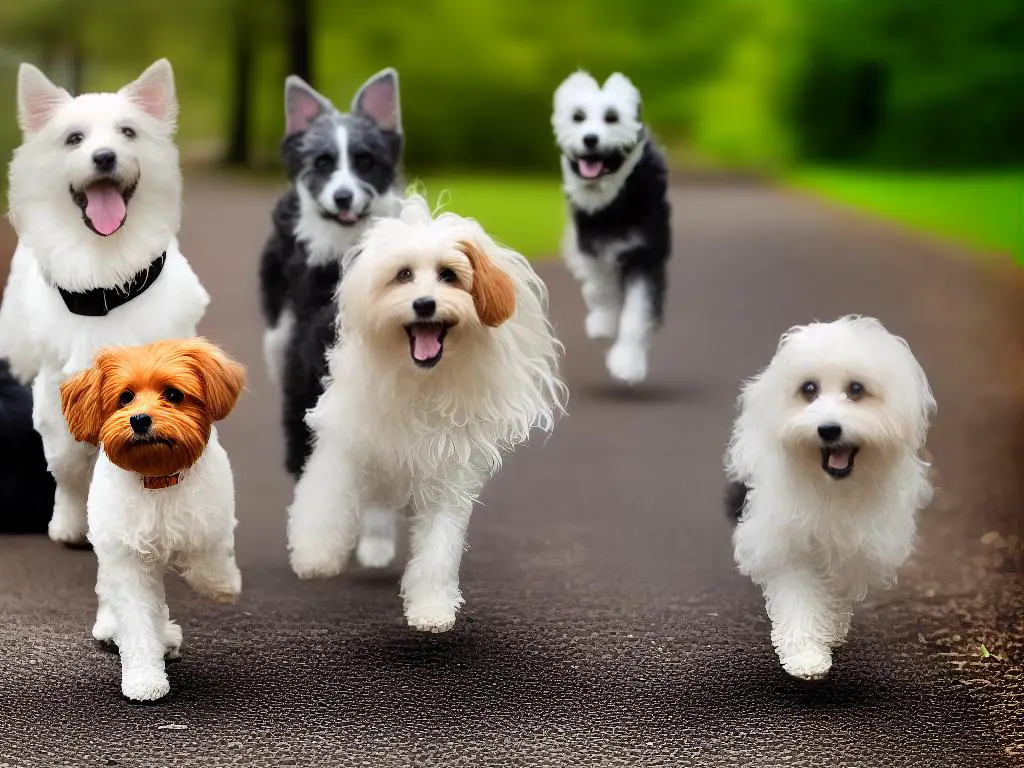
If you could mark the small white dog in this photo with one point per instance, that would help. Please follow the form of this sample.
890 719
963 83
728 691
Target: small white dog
162 495
445 359
95 193
827 445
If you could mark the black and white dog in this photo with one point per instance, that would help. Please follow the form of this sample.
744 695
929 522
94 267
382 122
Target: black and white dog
344 172
618 239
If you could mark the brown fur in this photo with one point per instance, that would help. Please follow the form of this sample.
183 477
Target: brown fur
494 293
208 379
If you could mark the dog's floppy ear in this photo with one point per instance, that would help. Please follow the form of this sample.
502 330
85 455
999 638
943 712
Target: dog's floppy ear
302 105
494 293
81 404
153 92
38 99
378 100
223 379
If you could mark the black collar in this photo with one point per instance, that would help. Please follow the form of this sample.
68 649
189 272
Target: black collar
98 302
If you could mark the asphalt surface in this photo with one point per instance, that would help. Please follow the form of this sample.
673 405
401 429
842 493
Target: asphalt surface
605 624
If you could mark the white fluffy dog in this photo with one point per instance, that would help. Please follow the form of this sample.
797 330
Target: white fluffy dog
828 443
162 495
95 194
445 359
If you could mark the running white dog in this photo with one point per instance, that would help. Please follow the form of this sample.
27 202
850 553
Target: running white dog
162 495
445 359
827 445
95 191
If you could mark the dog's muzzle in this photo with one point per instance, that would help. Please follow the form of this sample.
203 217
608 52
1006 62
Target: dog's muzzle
104 201
837 457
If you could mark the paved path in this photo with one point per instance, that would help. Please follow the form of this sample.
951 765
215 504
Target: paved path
605 623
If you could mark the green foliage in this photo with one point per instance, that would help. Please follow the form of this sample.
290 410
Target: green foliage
982 211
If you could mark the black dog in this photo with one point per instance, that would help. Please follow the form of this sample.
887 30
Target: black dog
26 487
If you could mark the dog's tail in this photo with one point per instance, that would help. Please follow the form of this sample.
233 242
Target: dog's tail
735 499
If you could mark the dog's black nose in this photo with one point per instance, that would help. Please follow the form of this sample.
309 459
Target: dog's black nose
424 306
104 159
830 432
343 199
141 422
590 140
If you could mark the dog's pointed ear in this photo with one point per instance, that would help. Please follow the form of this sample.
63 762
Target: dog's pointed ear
153 92
38 99
494 293
80 401
223 379
302 105
378 100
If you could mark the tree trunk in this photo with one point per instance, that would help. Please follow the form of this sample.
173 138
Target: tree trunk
242 64
300 43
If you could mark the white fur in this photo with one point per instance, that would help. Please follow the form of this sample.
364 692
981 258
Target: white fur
275 345
390 436
55 248
137 535
814 544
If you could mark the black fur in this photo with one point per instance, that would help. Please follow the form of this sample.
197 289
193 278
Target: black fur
641 206
735 500
26 487
278 252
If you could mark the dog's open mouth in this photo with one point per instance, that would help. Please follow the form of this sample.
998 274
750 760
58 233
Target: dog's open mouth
345 218
104 205
426 342
595 166
837 460
139 441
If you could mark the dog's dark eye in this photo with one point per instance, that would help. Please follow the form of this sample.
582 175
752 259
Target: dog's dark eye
126 398
611 117
74 139
404 275
579 116
128 132
324 162
809 389
855 390
172 395
363 161
447 276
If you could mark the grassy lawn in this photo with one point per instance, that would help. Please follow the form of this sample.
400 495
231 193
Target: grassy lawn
983 211
524 213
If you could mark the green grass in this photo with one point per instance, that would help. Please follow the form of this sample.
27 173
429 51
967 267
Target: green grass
983 211
524 213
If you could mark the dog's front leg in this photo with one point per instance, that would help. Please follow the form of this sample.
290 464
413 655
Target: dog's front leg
378 537
430 585
213 574
134 592
69 462
627 359
804 617
323 520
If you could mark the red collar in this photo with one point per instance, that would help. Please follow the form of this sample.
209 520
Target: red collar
156 483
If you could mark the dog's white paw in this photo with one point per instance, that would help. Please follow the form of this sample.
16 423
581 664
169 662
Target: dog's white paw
172 640
104 630
602 324
316 563
431 615
627 362
808 664
68 524
145 684
375 551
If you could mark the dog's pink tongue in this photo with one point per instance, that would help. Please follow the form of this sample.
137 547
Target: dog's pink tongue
840 458
591 169
426 341
105 208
